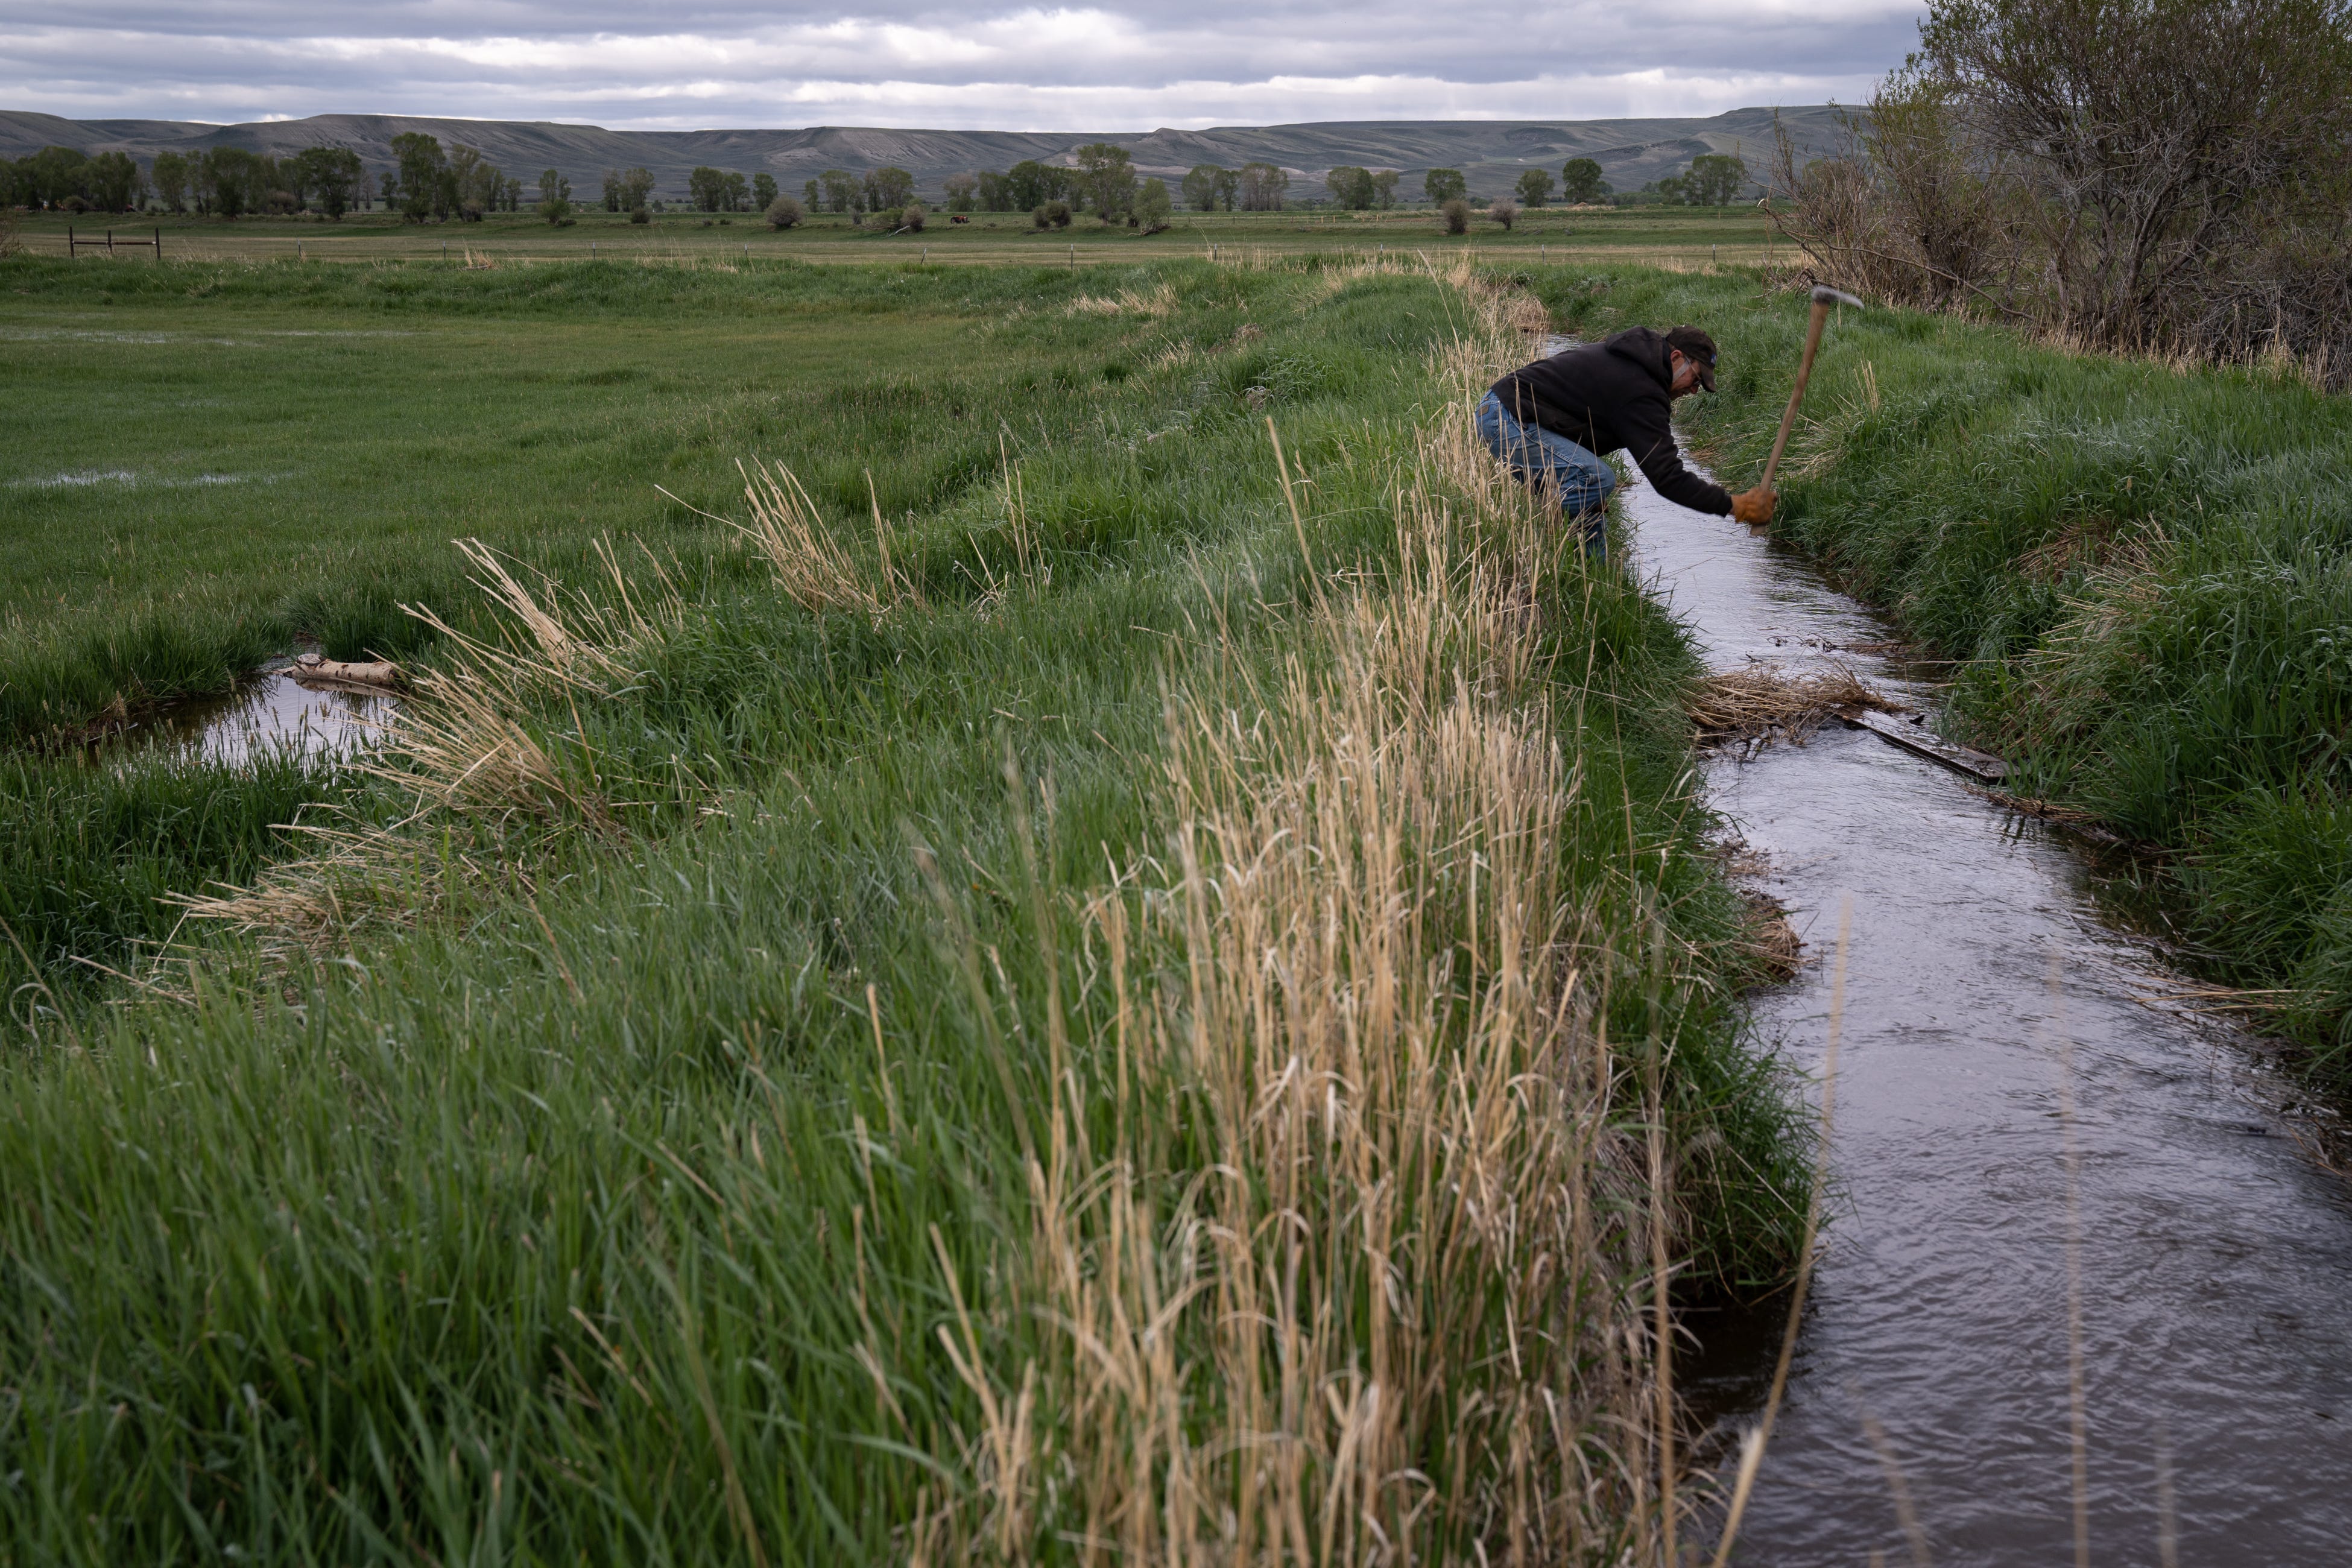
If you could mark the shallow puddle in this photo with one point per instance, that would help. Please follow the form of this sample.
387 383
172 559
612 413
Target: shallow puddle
1933 1364
270 714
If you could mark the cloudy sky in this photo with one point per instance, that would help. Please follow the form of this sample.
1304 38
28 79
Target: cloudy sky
1109 65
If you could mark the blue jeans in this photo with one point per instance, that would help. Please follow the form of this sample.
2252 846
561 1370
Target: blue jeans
1548 460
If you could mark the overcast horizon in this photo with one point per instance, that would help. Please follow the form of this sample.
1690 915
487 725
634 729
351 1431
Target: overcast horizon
1116 66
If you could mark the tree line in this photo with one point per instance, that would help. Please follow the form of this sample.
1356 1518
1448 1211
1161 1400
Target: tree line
426 181
225 182
1101 178
429 181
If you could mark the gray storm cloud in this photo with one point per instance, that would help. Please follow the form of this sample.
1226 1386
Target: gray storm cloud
1027 67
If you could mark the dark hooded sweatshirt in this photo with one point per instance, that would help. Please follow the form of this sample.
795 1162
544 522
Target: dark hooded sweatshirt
1609 395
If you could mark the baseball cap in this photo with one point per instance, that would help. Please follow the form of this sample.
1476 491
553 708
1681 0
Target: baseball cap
1698 348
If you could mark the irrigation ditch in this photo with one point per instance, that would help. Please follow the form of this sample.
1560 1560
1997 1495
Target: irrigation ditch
2087 1273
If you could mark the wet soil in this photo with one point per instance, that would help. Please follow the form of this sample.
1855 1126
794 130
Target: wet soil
2215 1245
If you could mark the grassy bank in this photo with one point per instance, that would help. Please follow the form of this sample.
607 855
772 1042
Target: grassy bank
1152 1004
2145 571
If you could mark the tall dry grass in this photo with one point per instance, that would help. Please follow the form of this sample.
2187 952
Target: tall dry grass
467 743
1352 1270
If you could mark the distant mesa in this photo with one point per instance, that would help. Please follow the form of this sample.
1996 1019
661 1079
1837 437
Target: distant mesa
1489 153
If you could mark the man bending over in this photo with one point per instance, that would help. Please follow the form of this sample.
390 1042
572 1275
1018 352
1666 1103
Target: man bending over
1551 421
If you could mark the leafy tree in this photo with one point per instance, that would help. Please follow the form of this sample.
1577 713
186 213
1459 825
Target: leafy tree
912 217
1034 184
231 181
763 191
1106 179
810 196
331 174
706 187
1505 211
422 165
784 212
1262 185
1351 187
554 195
1203 186
1457 214
114 182
1052 215
1715 179
840 190
636 189
1025 184
1444 185
1152 206
888 187
1535 187
1384 185
736 194
462 182
52 174
611 189
1581 182
960 190
171 174
474 182
389 182
513 193
996 192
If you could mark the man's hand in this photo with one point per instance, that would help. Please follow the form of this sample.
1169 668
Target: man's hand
1754 507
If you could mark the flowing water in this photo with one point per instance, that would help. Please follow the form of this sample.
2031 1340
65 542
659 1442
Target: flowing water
1984 993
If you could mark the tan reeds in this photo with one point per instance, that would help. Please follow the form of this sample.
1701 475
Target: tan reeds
806 560
1158 303
463 739
1394 1317
1757 698
1362 975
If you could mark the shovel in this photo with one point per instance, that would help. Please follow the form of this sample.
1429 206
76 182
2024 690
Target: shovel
1824 298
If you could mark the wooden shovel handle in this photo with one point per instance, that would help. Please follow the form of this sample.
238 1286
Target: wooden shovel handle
1796 395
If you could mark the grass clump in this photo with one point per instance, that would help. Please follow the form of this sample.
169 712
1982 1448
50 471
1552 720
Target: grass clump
2142 571
1140 1033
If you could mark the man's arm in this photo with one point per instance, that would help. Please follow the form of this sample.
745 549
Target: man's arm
1662 465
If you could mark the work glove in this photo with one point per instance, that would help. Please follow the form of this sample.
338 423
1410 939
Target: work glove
1754 507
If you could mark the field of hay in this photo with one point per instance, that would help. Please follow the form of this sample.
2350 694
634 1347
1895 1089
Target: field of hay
1105 949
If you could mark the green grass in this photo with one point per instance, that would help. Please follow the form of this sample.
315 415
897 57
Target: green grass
213 460
300 449
2146 574
552 1205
